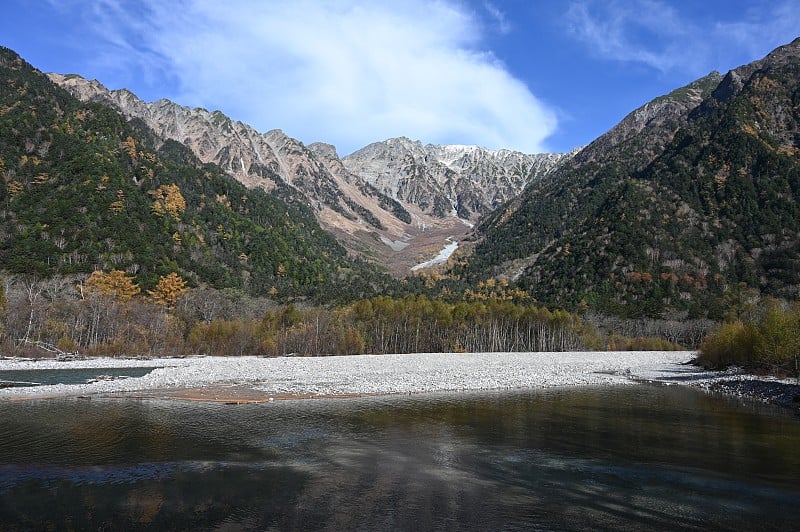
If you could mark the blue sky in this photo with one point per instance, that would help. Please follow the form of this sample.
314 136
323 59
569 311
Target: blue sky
531 75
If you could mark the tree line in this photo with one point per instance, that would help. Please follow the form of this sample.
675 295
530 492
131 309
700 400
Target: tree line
106 313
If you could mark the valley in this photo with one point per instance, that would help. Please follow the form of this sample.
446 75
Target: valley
352 265
392 191
685 212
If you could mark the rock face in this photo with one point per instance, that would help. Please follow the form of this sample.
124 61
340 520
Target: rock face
253 158
449 179
378 201
644 133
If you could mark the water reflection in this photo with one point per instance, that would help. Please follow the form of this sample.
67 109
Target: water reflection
633 457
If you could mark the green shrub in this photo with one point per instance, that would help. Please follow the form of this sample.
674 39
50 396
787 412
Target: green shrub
768 341
641 343
778 340
730 345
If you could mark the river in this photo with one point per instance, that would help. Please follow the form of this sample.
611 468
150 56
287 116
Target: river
622 457
442 257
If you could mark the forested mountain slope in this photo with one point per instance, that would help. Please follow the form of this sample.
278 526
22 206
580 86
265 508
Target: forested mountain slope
393 202
84 189
689 204
355 212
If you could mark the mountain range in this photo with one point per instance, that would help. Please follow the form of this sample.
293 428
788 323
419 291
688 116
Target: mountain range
87 189
686 208
393 202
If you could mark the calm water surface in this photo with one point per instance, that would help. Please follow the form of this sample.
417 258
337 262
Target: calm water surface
37 377
587 458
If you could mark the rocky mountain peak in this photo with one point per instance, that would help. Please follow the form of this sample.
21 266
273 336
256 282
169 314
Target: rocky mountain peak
323 149
782 58
444 179
647 129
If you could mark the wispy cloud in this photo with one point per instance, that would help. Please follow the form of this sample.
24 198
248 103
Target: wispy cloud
762 27
669 38
500 19
640 31
343 71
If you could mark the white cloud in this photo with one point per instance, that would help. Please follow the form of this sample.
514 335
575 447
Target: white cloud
669 38
343 71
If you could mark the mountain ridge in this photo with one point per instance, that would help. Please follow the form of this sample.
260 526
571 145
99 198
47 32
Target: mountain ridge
687 207
86 189
395 228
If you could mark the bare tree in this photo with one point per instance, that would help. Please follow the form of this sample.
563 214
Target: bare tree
32 287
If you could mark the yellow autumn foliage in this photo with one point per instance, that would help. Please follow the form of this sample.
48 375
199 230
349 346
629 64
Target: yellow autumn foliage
168 200
115 283
130 147
168 290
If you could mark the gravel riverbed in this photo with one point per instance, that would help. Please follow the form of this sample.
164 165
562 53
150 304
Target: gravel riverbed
290 377
364 374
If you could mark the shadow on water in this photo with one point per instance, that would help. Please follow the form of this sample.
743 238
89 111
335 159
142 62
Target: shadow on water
603 458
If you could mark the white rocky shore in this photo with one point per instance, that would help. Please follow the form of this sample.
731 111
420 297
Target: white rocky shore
366 374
